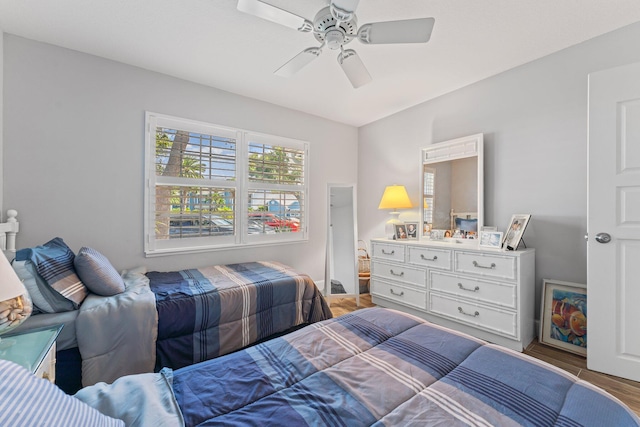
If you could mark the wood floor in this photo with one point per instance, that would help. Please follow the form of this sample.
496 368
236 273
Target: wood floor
625 390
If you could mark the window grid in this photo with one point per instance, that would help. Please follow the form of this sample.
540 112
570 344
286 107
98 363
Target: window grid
184 212
428 192
202 156
275 164
221 185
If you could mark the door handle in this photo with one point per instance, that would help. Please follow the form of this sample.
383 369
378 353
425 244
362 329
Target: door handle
603 237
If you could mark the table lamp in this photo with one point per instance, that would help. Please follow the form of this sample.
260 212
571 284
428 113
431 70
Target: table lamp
394 197
15 303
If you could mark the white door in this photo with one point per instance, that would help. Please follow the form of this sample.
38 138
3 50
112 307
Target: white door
613 276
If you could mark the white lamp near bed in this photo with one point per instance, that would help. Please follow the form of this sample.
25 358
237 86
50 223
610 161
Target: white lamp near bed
394 197
15 303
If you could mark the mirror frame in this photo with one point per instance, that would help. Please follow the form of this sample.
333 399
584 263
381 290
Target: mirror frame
459 148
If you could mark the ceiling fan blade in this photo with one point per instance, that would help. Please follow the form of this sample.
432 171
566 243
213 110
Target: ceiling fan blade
354 68
346 5
407 31
274 14
298 62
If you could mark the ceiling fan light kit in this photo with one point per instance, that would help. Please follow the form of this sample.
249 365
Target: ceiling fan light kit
335 26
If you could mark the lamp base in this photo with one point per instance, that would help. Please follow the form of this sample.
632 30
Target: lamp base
14 311
390 226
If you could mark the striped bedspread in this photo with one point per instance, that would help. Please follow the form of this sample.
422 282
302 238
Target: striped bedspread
381 367
207 312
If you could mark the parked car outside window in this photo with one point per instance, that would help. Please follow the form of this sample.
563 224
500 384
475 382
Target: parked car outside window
278 222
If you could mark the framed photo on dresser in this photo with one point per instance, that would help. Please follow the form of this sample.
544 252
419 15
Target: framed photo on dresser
515 231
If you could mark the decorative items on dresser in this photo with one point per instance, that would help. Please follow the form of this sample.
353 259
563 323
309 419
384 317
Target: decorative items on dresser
485 292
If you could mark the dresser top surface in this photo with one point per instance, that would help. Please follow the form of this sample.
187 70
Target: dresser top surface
451 244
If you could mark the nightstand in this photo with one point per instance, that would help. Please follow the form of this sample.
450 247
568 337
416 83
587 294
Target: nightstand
34 349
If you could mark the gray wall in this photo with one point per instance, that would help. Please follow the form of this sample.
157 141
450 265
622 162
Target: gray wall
74 153
534 119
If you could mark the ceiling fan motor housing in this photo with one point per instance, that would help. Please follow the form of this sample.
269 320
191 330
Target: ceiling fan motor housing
332 32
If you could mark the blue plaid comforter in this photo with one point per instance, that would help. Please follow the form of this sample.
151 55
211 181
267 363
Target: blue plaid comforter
381 367
207 312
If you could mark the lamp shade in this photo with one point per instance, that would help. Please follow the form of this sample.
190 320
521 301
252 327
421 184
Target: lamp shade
395 197
15 304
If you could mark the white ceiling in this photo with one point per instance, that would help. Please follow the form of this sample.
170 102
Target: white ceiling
212 43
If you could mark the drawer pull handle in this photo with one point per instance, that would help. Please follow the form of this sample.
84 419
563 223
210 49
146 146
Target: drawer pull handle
476 314
461 286
493 265
389 253
398 294
396 274
435 257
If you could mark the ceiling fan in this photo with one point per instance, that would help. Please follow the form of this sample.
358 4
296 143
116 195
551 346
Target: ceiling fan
335 26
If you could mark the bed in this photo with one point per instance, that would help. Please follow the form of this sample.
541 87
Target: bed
372 367
207 312
141 321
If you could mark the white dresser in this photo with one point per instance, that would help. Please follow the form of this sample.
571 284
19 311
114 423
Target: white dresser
487 293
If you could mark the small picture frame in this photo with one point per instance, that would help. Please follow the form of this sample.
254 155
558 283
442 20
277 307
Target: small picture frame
401 231
563 317
491 239
412 230
515 231
436 234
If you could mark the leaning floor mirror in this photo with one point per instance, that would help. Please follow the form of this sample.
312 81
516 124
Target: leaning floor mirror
341 267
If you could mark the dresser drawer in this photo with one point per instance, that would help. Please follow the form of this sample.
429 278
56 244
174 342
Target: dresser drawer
503 294
400 272
488 265
430 257
388 251
398 293
503 322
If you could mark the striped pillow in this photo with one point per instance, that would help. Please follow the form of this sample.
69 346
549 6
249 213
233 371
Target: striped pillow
27 400
52 265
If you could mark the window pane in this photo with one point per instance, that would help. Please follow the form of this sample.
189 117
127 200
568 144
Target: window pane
274 212
274 164
184 212
184 154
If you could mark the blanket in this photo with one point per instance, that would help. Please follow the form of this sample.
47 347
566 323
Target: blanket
207 312
378 367
116 335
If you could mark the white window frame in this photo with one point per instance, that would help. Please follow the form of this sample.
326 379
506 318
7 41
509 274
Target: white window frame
242 186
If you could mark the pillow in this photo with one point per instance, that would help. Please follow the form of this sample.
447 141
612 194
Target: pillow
31 401
467 224
52 266
40 303
97 273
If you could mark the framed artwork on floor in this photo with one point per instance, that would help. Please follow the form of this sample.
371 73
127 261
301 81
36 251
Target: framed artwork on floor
563 318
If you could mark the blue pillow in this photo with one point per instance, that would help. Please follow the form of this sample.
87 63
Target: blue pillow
52 266
97 273
31 401
467 224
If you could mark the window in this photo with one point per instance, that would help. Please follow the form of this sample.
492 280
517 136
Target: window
211 187
428 192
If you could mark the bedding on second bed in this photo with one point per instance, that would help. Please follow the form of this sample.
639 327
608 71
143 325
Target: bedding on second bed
207 312
379 367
